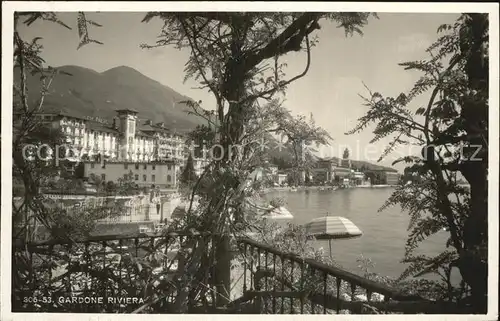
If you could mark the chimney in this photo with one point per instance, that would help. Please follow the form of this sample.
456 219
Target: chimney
115 124
149 122
161 124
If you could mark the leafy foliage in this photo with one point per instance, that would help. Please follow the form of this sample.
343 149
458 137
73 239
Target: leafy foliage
237 56
188 176
127 185
454 119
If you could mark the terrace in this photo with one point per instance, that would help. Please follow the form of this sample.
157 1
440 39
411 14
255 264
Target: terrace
153 268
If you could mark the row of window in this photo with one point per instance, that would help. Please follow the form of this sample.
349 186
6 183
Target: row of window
145 166
125 166
145 177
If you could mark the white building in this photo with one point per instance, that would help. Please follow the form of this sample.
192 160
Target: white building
145 174
125 141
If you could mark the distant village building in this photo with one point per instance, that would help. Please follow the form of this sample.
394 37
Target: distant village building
330 170
324 171
340 170
282 178
359 178
391 178
383 177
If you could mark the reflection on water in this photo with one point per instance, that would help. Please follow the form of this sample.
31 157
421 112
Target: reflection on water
384 233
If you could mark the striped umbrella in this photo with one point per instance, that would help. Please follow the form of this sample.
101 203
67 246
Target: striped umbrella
332 227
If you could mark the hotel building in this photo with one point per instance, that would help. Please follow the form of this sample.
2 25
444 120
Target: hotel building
152 152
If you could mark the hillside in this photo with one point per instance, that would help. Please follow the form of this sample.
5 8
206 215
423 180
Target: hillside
86 92
368 166
284 159
89 93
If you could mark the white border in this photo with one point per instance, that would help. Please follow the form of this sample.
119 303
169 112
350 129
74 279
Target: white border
7 48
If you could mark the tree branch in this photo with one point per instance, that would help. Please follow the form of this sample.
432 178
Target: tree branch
282 84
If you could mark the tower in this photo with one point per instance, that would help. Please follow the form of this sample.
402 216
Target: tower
127 126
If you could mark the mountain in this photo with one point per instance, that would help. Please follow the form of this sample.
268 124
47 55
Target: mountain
85 92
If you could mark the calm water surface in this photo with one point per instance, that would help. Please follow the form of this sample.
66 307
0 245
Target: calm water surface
384 233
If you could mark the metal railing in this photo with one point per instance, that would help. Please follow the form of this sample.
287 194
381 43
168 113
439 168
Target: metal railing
284 283
92 276
59 276
125 214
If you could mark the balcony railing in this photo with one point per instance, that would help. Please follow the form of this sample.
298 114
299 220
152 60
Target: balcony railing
106 267
151 267
285 283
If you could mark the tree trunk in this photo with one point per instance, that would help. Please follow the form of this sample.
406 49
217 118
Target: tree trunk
223 271
473 262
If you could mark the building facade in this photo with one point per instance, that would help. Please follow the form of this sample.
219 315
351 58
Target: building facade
144 174
330 170
282 178
392 178
108 149
383 177
126 139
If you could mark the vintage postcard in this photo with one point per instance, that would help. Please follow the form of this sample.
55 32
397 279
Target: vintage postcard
206 158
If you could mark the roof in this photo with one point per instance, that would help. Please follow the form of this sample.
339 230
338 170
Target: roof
146 127
101 127
157 129
127 111
143 134
112 161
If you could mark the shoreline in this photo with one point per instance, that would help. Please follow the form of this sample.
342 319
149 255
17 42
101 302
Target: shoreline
322 188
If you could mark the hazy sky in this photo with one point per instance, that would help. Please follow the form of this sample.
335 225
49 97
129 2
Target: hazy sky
330 90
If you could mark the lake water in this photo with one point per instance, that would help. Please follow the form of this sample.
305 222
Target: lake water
384 233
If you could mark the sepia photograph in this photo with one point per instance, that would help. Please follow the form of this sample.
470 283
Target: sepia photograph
249 159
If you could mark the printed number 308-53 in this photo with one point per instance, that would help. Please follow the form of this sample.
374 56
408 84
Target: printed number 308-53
37 300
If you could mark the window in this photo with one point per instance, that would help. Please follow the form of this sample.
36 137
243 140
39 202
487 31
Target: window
103 177
104 164
144 177
92 165
125 176
169 178
125 166
154 167
145 166
153 178
169 167
136 166
136 177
